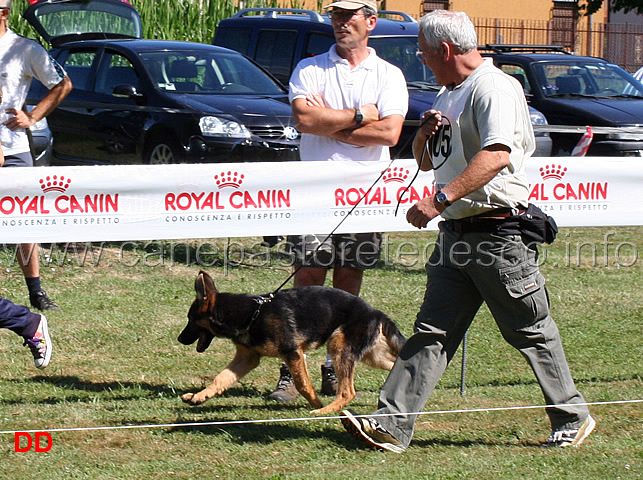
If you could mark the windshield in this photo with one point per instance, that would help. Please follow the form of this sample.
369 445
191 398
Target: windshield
75 18
207 73
585 79
403 53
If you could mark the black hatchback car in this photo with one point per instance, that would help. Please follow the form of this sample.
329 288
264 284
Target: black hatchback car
155 101
573 90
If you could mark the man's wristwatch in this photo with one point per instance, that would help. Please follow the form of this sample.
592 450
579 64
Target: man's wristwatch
358 116
442 198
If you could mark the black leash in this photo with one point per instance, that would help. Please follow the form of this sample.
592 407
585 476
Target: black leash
417 172
334 229
262 300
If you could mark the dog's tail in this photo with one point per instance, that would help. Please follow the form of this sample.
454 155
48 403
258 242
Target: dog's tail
393 336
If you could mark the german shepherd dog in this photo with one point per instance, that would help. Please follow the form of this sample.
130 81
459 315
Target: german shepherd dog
286 325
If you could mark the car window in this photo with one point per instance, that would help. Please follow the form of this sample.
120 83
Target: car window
75 18
578 78
234 38
518 72
78 66
114 70
207 73
276 51
402 52
317 43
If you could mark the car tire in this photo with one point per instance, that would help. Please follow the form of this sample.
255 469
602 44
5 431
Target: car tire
160 152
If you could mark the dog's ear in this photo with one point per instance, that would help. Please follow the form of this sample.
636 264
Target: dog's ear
206 291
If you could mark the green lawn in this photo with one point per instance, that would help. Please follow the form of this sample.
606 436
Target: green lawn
117 362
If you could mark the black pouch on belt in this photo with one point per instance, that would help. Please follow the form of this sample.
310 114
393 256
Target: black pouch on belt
536 226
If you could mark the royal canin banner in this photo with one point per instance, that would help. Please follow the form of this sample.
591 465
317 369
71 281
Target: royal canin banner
145 202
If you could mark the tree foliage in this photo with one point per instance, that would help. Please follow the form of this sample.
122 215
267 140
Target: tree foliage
592 6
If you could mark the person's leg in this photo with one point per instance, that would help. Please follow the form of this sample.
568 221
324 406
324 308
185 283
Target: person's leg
348 279
515 292
307 273
30 326
355 252
450 304
18 318
309 276
28 253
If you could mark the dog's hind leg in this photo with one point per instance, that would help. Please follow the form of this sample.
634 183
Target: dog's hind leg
244 361
296 363
384 350
344 362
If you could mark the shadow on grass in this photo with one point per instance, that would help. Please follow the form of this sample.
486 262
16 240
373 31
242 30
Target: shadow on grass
73 383
268 433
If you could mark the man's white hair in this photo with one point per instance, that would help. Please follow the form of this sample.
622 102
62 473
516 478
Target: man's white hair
448 26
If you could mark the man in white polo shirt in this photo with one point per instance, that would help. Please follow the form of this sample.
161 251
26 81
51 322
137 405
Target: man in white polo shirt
349 104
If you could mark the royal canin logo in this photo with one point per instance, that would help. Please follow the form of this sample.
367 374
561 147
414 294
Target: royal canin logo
54 184
384 195
235 200
553 188
228 179
395 174
60 204
553 171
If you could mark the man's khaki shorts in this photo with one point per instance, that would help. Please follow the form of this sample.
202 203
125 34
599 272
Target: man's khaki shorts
350 250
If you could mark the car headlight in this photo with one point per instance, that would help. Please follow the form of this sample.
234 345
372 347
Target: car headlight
537 118
217 127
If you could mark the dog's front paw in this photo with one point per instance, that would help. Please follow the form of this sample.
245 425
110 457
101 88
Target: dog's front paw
193 398
187 397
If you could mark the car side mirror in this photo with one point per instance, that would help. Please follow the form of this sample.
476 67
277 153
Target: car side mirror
126 91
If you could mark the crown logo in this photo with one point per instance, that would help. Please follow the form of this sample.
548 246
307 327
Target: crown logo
228 179
396 174
553 171
54 183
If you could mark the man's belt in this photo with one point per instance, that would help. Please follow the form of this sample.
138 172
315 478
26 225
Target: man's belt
500 220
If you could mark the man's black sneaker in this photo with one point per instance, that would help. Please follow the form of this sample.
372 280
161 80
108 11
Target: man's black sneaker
41 301
271 241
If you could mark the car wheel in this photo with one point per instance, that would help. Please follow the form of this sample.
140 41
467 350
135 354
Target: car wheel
160 152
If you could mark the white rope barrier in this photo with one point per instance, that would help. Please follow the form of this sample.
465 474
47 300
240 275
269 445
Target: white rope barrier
305 419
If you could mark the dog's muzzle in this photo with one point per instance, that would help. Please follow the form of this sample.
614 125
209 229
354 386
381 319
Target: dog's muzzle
190 335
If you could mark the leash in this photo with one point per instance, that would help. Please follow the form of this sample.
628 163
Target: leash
417 172
263 299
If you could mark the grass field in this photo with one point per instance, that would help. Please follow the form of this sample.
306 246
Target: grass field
117 362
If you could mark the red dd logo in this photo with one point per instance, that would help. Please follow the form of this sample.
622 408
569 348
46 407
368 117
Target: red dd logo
31 442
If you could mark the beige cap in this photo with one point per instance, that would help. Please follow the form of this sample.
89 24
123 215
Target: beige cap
354 4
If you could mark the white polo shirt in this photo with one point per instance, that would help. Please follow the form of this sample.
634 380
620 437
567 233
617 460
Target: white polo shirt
21 60
372 81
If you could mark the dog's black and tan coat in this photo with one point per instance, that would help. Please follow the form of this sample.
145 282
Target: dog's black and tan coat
286 326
